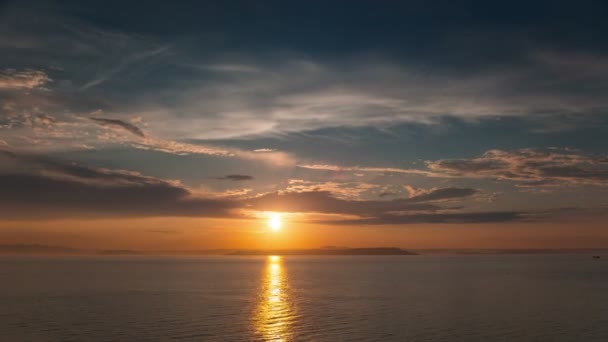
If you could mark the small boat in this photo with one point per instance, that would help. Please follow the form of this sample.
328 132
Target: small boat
596 257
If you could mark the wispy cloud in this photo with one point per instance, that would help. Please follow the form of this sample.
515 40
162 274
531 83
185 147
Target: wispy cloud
223 67
277 158
120 124
443 194
210 98
228 94
39 132
358 93
337 168
124 63
342 190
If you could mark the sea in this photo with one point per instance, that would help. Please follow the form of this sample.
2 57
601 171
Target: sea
561 297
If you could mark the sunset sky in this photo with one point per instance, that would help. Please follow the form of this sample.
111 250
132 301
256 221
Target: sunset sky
192 125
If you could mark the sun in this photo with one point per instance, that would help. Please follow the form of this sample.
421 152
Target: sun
274 222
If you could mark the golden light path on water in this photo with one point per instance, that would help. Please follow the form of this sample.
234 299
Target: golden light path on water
274 315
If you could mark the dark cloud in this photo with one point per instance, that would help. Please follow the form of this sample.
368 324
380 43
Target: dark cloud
472 217
39 188
236 178
443 194
115 123
565 213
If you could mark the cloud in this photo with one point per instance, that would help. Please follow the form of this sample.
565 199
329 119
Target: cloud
184 94
40 187
337 168
451 218
38 131
233 68
399 211
575 64
35 187
122 64
277 158
327 202
27 79
278 99
179 148
342 190
37 196
443 194
236 178
575 215
530 167
359 190
115 123
324 202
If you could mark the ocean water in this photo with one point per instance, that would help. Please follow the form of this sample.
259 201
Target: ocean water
339 298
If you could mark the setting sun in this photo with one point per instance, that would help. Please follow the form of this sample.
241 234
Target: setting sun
274 222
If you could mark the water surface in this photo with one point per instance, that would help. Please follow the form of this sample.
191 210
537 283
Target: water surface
328 298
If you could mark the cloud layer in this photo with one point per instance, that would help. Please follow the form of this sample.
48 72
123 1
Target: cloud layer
530 167
37 187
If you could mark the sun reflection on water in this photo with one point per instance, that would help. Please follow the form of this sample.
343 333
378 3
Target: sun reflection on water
274 315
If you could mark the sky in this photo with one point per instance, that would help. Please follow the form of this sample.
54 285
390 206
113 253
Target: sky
174 126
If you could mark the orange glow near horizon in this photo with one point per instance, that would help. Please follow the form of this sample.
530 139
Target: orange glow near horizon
177 234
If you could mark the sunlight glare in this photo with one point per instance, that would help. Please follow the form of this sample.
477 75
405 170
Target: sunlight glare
274 222
275 313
